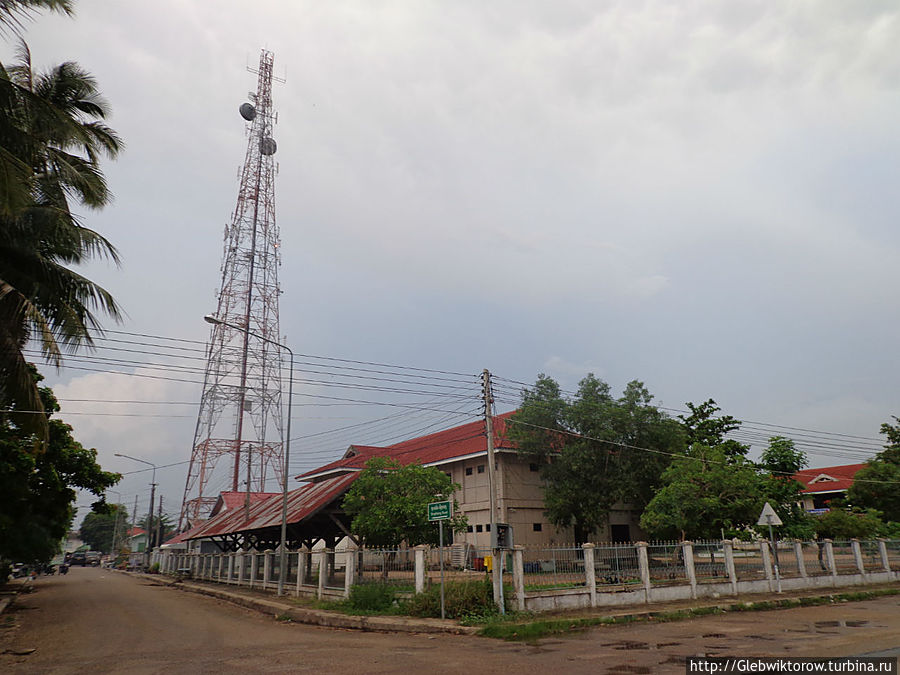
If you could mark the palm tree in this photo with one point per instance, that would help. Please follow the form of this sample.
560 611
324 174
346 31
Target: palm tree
52 137
12 11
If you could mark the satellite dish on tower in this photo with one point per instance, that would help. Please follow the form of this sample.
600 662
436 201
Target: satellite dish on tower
267 146
248 112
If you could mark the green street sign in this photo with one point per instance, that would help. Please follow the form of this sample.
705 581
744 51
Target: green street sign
439 511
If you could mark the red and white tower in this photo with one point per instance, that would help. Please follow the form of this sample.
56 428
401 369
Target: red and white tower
238 440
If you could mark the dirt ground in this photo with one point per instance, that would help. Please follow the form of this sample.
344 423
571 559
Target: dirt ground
95 620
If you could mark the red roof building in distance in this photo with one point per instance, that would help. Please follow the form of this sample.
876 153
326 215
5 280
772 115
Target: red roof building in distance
228 501
450 445
824 484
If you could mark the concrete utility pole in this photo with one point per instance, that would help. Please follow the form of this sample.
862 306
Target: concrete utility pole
159 523
496 555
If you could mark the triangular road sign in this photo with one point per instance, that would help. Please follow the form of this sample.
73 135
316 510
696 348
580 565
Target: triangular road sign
768 516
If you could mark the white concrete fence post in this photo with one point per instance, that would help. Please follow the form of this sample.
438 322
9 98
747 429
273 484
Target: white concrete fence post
687 552
302 566
420 568
857 556
829 557
728 550
254 566
644 567
349 569
798 554
323 572
519 576
590 576
267 567
766 555
883 552
231 567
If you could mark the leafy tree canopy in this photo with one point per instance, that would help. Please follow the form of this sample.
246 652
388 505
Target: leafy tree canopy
388 503
104 526
595 450
38 489
877 485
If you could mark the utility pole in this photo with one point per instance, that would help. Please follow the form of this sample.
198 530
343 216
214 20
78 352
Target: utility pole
133 527
150 521
159 523
496 554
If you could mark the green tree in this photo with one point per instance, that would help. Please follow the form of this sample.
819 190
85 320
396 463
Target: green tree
164 525
703 426
877 485
706 493
842 524
780 461
595 451
38 489
104 527
388 503
51 140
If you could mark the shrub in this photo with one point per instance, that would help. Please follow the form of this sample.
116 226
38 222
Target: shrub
371 597
461 599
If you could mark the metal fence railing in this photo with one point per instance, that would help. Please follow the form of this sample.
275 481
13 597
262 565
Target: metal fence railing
547 568
749 564
616 565
389 566
893 552
709 562
666 563
844 560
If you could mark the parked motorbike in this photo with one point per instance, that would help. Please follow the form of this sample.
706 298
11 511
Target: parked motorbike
63 568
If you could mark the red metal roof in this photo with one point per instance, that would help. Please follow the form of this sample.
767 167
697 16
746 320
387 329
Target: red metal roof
468 439
842 475
302 503
231 500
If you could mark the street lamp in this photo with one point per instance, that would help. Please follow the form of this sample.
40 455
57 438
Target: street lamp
282 559
152 498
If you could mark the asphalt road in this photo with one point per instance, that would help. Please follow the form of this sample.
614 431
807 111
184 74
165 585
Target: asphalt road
98 621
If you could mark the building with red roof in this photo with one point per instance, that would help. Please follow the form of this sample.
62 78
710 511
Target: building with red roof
314 511
824 484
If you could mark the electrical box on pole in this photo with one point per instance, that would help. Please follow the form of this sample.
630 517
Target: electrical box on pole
502 537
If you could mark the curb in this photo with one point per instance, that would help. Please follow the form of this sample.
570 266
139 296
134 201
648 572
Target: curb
318 617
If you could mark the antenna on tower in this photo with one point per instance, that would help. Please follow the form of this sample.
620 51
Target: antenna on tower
240 417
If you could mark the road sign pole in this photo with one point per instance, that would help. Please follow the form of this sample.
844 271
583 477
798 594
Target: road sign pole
441 547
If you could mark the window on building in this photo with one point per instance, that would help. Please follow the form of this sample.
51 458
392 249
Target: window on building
536 527
468 470
478 528
533 467
481 468
487 528
469 528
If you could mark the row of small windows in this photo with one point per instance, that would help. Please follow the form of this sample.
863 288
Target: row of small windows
480 467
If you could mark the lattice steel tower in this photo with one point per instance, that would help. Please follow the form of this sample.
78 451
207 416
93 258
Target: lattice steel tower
240 416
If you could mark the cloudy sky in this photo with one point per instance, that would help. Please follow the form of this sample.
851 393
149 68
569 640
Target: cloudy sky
700 195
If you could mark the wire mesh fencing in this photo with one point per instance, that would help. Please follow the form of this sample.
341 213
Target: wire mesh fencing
844 559
893 554
388 566
616 565
709 562
749 564
548 568
666 563
785 557
871 556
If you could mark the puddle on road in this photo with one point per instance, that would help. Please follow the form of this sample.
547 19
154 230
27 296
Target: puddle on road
625 668
840 624
715 635
627 645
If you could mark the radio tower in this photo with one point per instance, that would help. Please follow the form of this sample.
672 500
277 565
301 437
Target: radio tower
240 417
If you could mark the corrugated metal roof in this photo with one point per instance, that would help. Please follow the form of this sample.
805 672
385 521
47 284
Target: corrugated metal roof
842 475
468 439
302 503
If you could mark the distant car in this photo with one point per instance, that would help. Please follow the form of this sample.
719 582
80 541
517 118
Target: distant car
78 558
92 558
